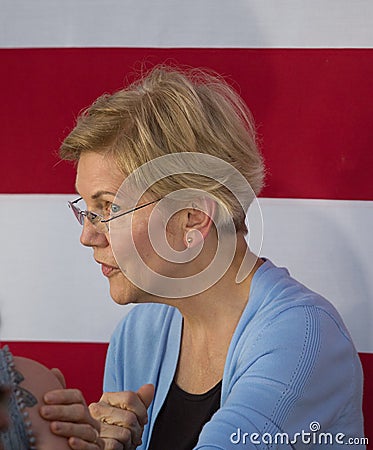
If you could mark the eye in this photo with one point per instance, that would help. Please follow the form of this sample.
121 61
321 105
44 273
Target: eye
114 209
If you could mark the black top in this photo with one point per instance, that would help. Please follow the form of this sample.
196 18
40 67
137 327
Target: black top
182 417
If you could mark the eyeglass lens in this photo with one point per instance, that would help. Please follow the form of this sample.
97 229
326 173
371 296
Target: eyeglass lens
77 213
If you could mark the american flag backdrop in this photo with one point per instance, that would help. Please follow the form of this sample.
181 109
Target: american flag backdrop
306 71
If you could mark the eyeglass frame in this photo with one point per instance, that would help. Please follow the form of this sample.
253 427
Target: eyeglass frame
78 213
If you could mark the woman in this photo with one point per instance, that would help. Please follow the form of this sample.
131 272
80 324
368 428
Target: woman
216 359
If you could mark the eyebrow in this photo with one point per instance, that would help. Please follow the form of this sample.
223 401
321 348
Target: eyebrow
98 194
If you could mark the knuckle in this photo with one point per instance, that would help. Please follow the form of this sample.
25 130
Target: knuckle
112 444
101 443
127 398
77 394
96 424
105 429
80 412
123 400
111 431
89 430
95 410
128 419
131 419
126 435
114 435
109 414
61 427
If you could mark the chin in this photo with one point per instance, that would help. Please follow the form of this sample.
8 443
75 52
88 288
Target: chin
120 296
121 290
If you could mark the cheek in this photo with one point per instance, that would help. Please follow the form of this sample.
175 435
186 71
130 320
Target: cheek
130 244
145 245
146 252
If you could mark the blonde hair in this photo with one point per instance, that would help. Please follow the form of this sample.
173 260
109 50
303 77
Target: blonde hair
171 111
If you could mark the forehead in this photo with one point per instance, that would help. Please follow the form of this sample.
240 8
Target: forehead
97 172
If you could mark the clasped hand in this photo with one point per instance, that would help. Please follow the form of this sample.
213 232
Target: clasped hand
123 416
116 422
68 413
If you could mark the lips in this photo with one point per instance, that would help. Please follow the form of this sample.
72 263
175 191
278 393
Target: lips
108 270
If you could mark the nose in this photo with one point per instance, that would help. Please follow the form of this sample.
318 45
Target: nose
90 237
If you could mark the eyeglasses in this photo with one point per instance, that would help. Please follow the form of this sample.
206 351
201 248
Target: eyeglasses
97 220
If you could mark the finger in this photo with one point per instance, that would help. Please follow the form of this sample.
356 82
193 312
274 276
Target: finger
146 394
120 434
59 375
117 423
113 444
66 413
78 444
64 397
127 400
83 431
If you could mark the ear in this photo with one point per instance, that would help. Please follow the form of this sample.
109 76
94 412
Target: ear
199 221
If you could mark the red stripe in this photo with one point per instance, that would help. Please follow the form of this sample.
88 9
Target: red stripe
313 108
83 365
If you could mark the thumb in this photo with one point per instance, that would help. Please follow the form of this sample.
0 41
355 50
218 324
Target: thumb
59 375
146 394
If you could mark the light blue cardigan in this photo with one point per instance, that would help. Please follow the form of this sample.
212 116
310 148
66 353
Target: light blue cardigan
291 365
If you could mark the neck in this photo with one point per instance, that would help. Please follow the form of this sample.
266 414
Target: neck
219 308
209 321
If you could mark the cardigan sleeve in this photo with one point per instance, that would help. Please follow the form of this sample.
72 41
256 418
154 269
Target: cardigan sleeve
297 374
110 379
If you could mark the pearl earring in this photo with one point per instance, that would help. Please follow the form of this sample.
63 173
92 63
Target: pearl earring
189 238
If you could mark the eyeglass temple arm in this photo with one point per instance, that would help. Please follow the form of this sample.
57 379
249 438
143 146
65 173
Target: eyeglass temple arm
130 210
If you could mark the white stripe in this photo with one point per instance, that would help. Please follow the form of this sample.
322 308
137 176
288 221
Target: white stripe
192 23
328 246
50 288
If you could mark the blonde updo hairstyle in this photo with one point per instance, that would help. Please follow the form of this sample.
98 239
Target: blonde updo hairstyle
170 111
